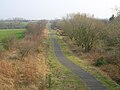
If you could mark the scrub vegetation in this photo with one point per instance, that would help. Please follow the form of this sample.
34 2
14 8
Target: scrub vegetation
23 63
95 41
28 60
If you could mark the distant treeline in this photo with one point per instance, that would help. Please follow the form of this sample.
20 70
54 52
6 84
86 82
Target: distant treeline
14 23
94 35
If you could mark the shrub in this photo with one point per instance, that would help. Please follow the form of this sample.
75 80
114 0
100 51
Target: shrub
8 42
101 61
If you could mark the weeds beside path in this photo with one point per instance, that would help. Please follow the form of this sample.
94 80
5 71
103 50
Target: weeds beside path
91 82
104 79
60 77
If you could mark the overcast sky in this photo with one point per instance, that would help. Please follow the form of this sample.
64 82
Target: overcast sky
53 9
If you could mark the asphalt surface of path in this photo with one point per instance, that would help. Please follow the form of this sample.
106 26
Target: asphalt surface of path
91 82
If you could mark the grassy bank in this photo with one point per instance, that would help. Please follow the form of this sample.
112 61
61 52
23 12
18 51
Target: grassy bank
61 77
103 78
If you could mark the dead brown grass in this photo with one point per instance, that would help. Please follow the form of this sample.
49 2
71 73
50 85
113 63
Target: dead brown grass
28 73
7 72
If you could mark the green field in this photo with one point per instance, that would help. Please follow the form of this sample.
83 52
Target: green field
4 33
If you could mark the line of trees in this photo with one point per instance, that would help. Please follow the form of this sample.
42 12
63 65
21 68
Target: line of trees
88 31
12 24
15 23
84 29
95 35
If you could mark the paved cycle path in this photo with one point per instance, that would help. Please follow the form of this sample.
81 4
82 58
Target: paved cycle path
91 82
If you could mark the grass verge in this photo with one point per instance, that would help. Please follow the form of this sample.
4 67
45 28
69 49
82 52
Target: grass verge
104 79
61 77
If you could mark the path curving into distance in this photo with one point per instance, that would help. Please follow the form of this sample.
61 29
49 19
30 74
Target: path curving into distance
91 82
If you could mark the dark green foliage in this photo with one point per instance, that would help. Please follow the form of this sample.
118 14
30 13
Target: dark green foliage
112 18
50 82
20 35
100 61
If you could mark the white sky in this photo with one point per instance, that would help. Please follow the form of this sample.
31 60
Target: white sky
53 9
